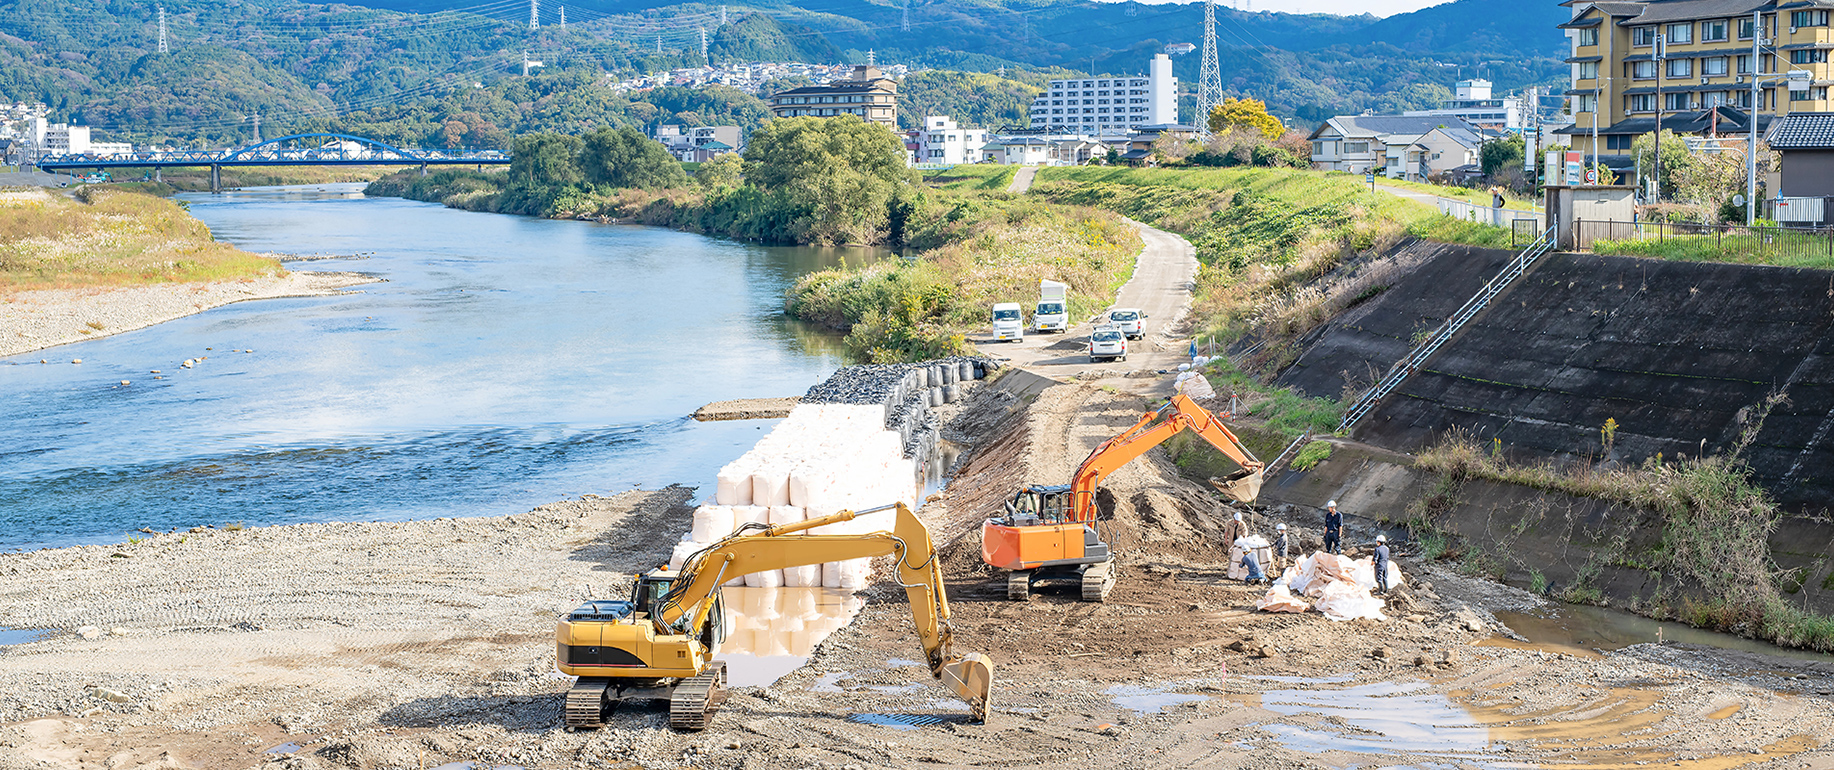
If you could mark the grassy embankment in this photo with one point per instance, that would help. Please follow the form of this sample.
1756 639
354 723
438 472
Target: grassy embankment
1774 247
197 178
973 251
1472 195
109 237
978 176
1711 555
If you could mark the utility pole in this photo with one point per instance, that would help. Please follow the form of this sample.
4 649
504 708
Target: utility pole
162 29
1210 77
534 14
1751 114
1661 54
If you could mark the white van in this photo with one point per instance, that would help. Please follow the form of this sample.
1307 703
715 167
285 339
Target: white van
1008 322
1131 321
1053 309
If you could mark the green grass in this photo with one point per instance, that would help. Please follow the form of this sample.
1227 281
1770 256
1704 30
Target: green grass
1311 455
1281 411
1480 197
1781 249
975 176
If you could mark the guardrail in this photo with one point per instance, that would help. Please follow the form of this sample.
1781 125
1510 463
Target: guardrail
1489 215
1418 356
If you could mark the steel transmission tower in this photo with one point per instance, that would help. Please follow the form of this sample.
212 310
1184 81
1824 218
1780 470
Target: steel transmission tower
1210 78
907 15
534 14
722 16
563 17
703 45
162 29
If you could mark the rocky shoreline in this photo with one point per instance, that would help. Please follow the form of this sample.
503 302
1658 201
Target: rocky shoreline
45 318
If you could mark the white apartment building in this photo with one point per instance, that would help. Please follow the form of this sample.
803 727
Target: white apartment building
1109 105
1471 101
942 141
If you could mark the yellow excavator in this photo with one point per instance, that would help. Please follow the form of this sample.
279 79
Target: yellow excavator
1052 532
660 644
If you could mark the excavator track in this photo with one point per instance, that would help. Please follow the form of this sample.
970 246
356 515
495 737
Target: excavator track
1098 580
586 703
695 699
1019 585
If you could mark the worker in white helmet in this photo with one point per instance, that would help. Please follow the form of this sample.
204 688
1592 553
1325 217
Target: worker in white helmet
1280 548
1334 529
1381 564
1235 529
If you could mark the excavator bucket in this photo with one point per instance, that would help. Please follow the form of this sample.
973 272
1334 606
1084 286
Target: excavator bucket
1243 485
970 677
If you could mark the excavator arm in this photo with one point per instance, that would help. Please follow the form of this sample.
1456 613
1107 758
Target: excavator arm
757 548
1181 413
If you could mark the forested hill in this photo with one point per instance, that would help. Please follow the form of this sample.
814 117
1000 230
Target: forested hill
422 71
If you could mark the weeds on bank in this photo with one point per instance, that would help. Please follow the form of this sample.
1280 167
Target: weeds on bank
110 237
1781 248
1712 553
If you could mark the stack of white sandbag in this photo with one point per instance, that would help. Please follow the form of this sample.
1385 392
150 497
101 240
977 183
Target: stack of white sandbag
788 621
1339 587
822 459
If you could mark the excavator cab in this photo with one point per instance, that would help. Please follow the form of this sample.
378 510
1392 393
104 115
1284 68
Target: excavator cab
1040 505
646 598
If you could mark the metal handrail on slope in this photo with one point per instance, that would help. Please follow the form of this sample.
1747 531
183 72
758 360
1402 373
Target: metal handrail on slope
1287 455
1418 356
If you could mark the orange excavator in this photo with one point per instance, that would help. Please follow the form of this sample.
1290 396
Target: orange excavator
1053 532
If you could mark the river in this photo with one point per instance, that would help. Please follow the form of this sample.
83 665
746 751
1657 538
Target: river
507 362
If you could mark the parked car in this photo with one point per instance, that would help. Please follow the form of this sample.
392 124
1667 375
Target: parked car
1131 321
1008 322
1107 342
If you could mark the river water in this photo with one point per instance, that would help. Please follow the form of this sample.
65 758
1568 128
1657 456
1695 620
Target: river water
507 362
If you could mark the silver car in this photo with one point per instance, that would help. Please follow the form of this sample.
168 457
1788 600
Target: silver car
1107 342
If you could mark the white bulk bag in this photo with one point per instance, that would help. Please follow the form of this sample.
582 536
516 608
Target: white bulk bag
711 523
770 485
683 550
734 487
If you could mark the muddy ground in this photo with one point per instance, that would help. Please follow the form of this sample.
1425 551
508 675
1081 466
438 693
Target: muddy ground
415 645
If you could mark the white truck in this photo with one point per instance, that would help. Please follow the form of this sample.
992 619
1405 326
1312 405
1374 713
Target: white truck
1053 308
1008 322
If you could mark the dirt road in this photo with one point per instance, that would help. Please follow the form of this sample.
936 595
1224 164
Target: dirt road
1161 286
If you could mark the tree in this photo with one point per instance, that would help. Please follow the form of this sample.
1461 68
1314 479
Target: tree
545 161
1245 114
624 157
724 172
1501 154
1675 161
842 180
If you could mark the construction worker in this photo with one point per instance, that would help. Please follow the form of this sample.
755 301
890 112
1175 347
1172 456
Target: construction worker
1254 567
1334 529
1280 547
1235 530
1381 564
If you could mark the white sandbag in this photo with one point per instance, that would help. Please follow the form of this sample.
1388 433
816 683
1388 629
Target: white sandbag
854 573
785 514
770 578
1347 601
807 576
711 523
1279 599
1251 542
1197 388
734 485
770 485
750 514
682 551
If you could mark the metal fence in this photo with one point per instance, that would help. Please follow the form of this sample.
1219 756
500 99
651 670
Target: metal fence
1789 246
1489 215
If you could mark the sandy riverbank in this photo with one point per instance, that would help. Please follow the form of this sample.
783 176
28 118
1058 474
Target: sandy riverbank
34 320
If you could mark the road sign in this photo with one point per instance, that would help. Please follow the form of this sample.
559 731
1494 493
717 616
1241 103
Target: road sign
1591 176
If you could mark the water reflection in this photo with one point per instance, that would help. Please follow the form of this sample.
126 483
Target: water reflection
772 631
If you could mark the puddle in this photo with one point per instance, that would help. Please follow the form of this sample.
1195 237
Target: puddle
1587 631
772 631
939 467
829 682
896 721
1147 700
24 635
1335 679
470 765
901 663
1388 717
284 748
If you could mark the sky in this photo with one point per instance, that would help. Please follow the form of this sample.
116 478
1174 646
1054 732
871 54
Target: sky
1339 7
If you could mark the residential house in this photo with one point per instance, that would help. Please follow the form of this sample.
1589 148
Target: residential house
1017 151
868 94
1806 142
1396 146
942 141
700 143
1109 105
1619 89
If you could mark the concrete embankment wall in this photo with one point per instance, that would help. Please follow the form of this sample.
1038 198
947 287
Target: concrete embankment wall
1520 531
1431 280
1679 354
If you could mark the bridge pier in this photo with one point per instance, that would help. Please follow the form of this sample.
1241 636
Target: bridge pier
158 174
423 169
216 178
